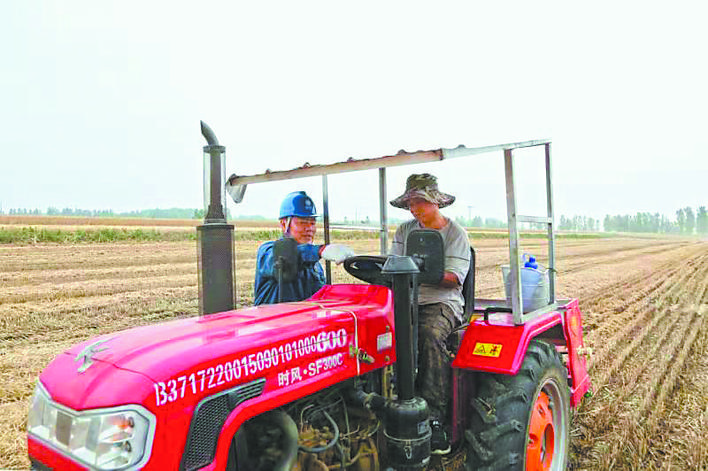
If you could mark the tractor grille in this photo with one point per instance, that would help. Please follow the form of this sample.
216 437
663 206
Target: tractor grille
209 417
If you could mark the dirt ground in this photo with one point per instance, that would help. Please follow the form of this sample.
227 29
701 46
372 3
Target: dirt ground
645 304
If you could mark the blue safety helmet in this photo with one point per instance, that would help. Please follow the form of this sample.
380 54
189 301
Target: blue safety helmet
297 204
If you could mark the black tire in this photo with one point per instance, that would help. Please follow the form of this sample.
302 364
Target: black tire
501 414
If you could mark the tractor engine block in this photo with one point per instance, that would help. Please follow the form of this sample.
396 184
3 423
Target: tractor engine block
331 434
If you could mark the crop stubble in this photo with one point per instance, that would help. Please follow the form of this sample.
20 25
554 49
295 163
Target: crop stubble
644 303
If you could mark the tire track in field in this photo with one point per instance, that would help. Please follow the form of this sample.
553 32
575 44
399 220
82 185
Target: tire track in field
609 312
633 448
698 319
573 262
655 409
641 317
571 265
53 292
608 348
611 387
680 439
648 319
58 278
97 261
637 270
38 321
653 402
634 281
581 262
656 341
642 286
641 407
58 257
57 271
640 380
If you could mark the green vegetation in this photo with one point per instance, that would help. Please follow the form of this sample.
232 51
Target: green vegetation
34 235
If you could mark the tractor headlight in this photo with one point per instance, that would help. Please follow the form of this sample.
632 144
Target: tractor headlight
110 439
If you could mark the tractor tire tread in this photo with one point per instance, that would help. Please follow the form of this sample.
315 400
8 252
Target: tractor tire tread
496 437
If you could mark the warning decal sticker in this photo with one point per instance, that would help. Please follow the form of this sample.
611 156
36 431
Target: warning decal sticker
487 349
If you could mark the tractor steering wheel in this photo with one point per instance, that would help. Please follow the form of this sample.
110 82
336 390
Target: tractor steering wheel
368 268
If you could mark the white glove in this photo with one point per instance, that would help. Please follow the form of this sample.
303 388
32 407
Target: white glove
337 253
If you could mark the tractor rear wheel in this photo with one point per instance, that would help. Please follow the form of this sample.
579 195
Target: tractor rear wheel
521 422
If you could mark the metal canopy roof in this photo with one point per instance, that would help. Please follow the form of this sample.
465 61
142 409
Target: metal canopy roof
353 165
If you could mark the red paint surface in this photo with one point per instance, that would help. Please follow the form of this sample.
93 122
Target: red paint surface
132 361
515 339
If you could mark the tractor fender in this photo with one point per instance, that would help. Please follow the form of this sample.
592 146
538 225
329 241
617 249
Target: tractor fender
499 346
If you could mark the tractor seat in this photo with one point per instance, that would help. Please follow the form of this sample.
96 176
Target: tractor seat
454 340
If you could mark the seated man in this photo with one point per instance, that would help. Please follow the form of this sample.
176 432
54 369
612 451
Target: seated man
440 307
297 220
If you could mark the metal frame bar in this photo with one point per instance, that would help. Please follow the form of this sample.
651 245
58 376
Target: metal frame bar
514 268
325 212
551 232
535 219
513 219
383 238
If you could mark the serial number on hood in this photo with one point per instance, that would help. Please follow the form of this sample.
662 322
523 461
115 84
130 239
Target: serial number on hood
248 365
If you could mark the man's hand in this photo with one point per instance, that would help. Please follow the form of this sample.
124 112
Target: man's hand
336 253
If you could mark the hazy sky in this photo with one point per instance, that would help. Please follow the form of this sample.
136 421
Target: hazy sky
101 100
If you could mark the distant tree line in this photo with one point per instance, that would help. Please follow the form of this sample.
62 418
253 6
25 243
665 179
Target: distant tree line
640 222
578 223
157 213
687 221
477 221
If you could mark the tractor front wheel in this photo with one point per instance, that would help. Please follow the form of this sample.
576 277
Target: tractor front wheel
522 422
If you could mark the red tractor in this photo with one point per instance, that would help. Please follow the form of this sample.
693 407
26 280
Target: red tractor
326 383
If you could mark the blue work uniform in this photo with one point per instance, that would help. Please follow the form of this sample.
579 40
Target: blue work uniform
310 276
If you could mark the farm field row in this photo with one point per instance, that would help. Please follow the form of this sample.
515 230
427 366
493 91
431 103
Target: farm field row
645 303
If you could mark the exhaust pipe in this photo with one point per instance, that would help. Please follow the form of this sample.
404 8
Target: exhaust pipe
209 134
215 247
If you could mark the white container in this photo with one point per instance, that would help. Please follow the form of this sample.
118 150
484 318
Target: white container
534 287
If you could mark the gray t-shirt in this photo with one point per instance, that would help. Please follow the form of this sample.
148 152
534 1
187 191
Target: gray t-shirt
457 261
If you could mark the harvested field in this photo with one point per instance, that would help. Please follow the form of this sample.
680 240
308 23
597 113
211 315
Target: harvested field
645 304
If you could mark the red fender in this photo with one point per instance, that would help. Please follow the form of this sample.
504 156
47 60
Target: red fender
499 346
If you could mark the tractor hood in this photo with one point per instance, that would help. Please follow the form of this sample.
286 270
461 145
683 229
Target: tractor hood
234 345
98 386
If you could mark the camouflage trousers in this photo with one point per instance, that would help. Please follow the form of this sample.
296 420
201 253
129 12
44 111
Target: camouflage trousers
433 382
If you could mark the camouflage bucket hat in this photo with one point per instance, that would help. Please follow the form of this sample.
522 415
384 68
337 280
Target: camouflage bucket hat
424 186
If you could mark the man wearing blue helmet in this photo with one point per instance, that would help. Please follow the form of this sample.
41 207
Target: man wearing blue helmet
297 220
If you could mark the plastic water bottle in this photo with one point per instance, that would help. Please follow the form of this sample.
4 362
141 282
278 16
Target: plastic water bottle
531 262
